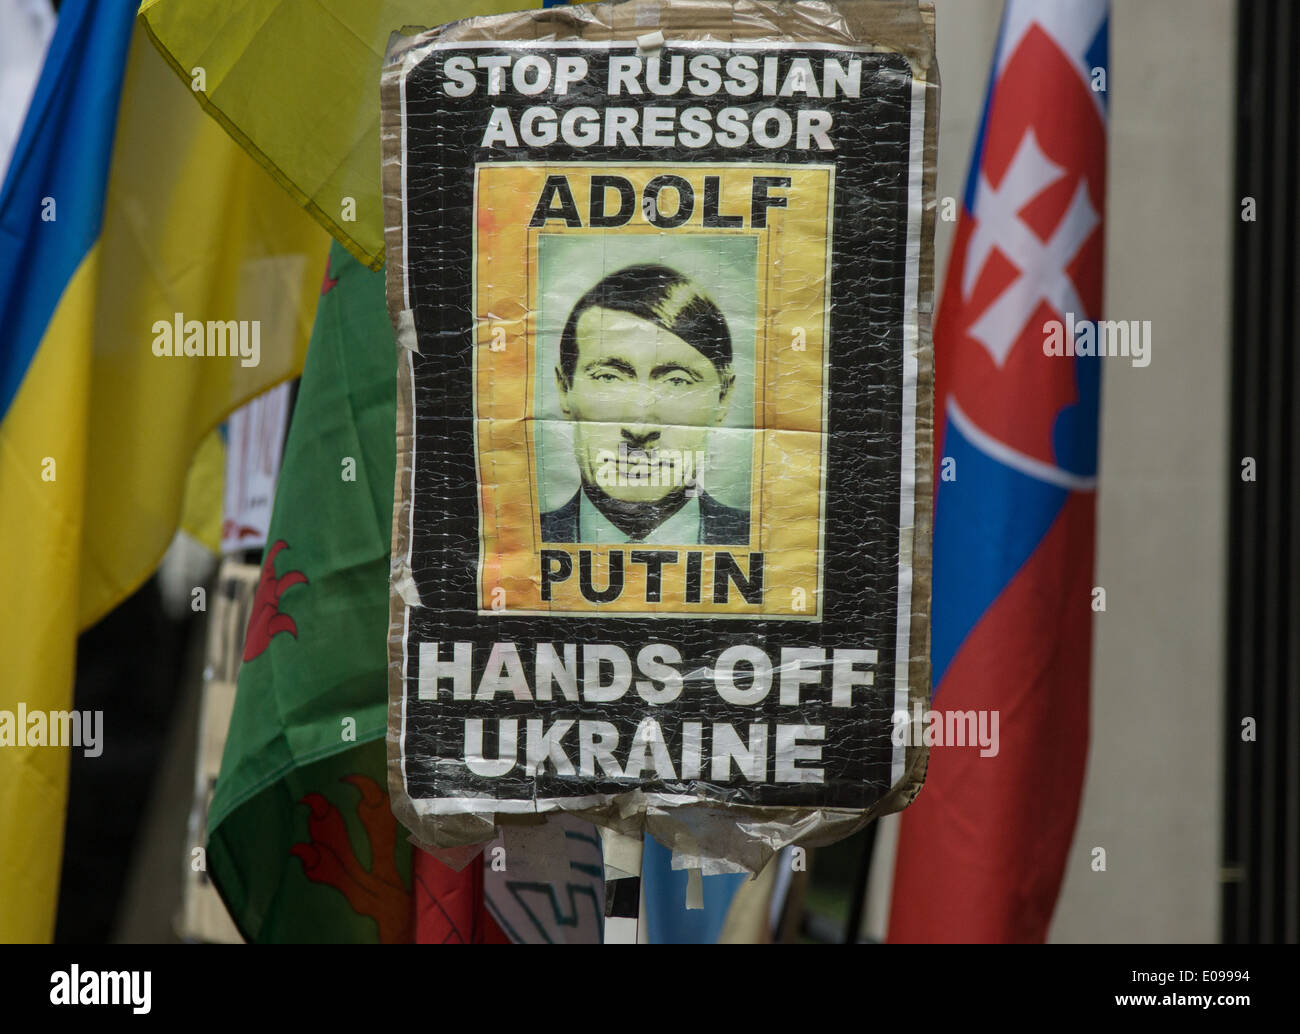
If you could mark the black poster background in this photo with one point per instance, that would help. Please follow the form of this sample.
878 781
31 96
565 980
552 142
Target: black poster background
860 574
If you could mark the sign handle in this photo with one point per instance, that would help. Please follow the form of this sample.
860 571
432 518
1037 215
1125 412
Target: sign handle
622 856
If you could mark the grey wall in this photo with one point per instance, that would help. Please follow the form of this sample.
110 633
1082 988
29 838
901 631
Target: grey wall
1152 798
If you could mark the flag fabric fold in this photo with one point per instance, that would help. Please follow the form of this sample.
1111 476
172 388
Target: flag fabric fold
302 843
982 850
123 207
62 154
296 83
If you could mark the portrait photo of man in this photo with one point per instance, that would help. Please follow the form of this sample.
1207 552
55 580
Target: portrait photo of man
645 374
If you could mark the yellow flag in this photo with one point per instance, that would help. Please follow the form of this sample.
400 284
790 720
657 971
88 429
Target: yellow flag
296 82
95 446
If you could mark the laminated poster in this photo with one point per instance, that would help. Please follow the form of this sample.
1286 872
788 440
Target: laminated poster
661 277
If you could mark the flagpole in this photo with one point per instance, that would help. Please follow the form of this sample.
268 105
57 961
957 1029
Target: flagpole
622 856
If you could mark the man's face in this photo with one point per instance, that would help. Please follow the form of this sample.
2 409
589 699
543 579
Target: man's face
642 402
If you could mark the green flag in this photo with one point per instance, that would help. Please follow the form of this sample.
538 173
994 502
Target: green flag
302 843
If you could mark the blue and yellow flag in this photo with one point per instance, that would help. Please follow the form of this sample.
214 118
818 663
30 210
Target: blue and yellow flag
125 209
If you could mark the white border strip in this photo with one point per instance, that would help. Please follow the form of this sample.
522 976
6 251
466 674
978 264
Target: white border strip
406 236
406 303
443 43
819 592
1014 458
540 805
907 475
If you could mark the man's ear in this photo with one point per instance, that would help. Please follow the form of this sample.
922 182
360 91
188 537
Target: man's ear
728 379
562 385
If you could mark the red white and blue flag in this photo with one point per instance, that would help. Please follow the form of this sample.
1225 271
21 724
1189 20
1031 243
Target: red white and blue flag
983 849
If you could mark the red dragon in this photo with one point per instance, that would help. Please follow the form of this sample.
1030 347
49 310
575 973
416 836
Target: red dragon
330 859
443 906
329 282
265 619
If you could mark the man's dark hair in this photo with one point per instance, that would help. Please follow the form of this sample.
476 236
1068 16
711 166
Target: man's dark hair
661 296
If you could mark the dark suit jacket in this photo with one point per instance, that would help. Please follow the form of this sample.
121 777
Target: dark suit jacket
719 525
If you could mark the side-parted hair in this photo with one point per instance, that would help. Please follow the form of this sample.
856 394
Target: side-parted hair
658 295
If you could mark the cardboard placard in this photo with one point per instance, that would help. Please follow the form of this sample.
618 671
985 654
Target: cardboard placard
661 275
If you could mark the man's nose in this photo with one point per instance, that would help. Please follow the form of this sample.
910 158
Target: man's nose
640 437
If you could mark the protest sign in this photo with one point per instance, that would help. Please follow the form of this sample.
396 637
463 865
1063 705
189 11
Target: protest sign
661 278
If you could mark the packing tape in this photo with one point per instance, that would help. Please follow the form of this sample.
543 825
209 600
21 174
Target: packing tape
406 331
622 854
694 890
404 586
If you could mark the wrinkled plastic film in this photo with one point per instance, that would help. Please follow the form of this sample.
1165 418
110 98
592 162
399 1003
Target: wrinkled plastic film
662 279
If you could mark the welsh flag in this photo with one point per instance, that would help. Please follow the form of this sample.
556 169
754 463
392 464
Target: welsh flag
302 843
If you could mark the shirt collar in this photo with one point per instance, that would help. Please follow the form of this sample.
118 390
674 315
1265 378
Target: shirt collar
681 529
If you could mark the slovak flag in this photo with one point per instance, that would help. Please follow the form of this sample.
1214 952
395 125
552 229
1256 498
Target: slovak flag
983 849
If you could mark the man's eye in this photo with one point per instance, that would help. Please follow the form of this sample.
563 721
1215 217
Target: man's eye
678 381
605 376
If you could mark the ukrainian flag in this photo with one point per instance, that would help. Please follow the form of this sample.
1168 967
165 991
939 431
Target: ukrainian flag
296 82
123 205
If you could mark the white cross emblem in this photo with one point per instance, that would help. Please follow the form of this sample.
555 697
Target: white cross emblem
1042 266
